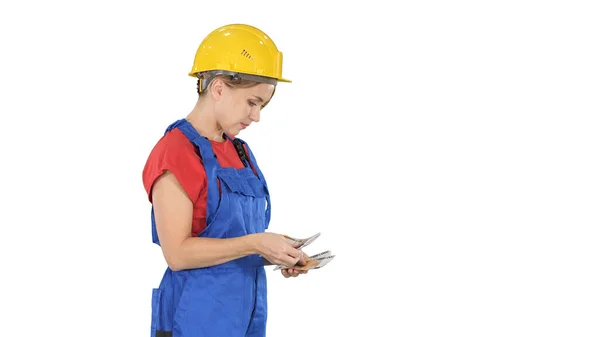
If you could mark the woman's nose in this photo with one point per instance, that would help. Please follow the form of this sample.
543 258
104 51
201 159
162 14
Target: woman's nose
255 115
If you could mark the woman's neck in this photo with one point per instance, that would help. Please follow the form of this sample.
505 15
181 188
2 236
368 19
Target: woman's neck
205 123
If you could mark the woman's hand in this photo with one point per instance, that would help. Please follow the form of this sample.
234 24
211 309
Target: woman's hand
278 250
292 272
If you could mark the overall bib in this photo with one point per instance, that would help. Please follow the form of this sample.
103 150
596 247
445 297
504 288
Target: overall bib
228 299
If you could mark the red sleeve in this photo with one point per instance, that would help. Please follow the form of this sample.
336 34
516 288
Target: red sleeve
175 153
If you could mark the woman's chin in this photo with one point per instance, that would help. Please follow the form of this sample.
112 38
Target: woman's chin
233 132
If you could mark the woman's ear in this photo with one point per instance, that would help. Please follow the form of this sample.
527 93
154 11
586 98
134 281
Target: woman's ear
216 89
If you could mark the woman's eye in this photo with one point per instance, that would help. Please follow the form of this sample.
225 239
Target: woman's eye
251 103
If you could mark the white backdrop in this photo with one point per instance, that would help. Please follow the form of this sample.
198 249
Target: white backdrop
447 151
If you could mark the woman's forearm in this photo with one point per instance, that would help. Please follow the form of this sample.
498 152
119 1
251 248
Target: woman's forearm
199 252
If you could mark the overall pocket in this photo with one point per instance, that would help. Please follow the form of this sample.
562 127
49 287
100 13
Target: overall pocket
247 201
155 323
242 182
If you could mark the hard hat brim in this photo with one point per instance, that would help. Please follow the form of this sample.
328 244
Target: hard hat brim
285 80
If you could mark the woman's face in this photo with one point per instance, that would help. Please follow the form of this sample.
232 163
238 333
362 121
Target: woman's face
237 108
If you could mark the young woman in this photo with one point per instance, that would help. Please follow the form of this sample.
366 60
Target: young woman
210 201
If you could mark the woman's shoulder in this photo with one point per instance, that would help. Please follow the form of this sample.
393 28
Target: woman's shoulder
175 148
173 152
175 140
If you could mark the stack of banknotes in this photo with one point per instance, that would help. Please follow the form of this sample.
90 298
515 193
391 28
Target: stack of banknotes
314 262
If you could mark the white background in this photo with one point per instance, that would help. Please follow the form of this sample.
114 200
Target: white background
447 151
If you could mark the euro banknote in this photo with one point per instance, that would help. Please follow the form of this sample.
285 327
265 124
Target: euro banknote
313 262
301 243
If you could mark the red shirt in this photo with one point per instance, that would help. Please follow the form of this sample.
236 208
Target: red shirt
175 153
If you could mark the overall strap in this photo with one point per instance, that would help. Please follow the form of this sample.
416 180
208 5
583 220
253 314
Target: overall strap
259 173
239 147
209 161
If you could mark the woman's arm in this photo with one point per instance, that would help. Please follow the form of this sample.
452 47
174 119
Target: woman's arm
173 211
173 215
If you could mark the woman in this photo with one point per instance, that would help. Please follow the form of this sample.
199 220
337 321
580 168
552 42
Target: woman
210 201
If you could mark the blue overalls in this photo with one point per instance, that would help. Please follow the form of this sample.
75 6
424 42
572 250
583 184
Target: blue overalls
227 299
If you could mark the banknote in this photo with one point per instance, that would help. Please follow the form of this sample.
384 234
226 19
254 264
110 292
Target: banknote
301 243
320 255
313 262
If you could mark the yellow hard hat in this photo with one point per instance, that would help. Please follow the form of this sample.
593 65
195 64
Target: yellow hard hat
239 50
